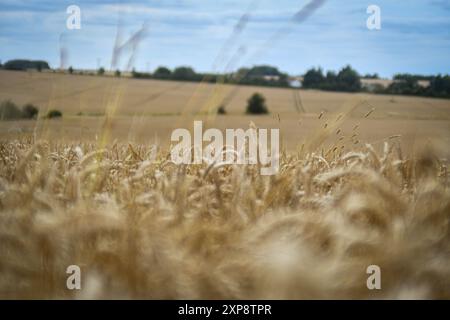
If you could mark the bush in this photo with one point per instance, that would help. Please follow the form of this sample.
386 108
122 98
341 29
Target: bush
405 86
257 104
101 71
54 114
117 73
10 111
221 110
29 111
70 70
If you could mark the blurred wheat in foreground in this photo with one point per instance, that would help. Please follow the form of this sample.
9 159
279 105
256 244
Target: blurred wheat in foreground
150 229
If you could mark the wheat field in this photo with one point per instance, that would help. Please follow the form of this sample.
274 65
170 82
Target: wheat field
363 181
140 227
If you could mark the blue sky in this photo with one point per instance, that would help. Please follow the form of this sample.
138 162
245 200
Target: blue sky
415 34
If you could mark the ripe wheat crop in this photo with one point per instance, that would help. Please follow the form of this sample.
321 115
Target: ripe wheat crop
144 228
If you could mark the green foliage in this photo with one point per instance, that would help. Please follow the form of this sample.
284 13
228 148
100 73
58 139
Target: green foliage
20 64
261 76
258 75
185 74
140 75
162 73
117 73
264 70
70 70
10 111
256 104
346 80
371 76
407 86
101 71
54 114
29 111
439 86
313 79
221 110
407 76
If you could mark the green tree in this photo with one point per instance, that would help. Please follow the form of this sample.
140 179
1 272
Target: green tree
261 75
330 82
117 73
162 73
313 78
372 76
70 70
260 71
440 86
408 85
348 80
256 104
184 73
101 71
242 73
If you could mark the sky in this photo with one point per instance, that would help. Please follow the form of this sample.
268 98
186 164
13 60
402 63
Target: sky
213 36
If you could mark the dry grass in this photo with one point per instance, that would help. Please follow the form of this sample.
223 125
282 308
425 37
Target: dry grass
149 229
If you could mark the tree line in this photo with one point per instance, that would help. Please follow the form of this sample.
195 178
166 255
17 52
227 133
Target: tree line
439 86
346 80
258 76
21 64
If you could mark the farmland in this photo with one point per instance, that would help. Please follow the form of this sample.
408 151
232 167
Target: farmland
145 110
363 181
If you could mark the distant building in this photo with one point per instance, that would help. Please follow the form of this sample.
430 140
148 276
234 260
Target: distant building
374 84
295 82
271 78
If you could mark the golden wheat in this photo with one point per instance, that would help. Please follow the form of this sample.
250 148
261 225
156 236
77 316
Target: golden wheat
144 228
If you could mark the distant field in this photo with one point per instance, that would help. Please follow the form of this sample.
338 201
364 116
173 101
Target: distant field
144 109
